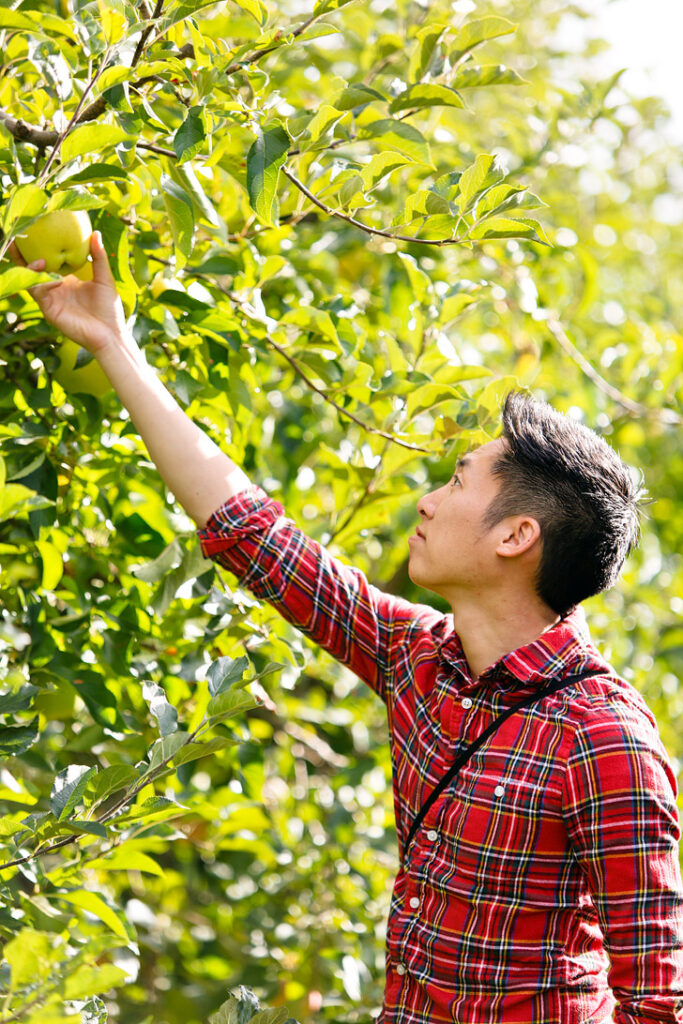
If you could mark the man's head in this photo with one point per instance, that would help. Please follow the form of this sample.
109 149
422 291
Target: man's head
548 502
584 498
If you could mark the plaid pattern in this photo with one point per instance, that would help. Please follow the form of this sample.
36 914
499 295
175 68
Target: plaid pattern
543 887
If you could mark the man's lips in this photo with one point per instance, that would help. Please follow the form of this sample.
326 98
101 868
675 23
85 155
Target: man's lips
418 535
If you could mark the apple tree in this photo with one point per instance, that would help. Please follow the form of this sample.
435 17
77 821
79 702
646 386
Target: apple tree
340 235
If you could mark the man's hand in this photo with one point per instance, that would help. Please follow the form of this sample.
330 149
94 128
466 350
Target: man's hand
89 312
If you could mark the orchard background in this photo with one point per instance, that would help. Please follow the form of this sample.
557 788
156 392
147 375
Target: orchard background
341 233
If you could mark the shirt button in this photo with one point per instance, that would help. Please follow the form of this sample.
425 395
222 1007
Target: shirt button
415 902
499 791
400 969
431 835
466 703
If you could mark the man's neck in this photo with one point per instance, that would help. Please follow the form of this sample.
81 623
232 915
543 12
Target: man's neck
491 629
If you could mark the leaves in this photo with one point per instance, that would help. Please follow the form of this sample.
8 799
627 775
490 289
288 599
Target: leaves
68 788
93 904
419 96
15 740
477 31
189 139
91 138
264 160
166 715
399 136
479 176
225 673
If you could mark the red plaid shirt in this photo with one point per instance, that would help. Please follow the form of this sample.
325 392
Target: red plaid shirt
544 886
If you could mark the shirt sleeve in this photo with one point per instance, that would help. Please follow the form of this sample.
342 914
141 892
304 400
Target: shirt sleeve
333 604
622 819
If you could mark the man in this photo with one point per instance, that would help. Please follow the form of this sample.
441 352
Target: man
542 886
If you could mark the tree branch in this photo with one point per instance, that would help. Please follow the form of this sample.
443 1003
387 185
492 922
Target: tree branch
364 227
323 394
666 415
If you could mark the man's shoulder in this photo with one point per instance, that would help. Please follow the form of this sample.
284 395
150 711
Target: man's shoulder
608 708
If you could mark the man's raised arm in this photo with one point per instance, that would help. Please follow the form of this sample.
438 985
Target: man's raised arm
201 476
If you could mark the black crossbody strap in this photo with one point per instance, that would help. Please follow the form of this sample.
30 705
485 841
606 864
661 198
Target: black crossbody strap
462 758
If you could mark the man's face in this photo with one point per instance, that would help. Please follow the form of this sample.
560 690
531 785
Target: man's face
451 549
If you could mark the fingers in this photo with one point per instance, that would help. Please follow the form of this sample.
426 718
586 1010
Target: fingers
15 255
100 264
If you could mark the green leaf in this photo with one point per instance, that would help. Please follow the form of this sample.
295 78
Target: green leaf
453 305
94 904
478 31
10 703
193 751
68 788
123 859
89 981
157 808
165 714
100 171
420 282
275 1016
264 160
351 188
180 211
224 672
29 955
487 74
186 178
399 136
380 166
82 827
51 557
230 704
17 278
502 227
189 138
15 740
165 747
322 121
23 201
237 1010
43 23
89 138
503 197
256 9
356 95
111 780
428 95
170 558
479 176
421 57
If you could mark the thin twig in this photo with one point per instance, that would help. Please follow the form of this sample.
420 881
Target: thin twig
665 414
364 227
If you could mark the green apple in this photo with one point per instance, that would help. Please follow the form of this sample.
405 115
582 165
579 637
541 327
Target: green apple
89 379
61 238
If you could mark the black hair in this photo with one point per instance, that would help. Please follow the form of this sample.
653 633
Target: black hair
574 484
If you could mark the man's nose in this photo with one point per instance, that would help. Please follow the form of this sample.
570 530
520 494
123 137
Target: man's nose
428 502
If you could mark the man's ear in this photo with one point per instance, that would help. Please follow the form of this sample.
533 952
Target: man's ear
518 534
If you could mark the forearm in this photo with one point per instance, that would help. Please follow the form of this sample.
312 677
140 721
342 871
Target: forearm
195 469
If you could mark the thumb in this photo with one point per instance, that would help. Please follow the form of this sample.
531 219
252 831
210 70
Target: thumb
100 264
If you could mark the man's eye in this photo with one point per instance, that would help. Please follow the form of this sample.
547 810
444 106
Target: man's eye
455 481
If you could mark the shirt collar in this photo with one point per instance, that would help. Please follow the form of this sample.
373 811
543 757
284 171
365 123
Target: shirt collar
566 645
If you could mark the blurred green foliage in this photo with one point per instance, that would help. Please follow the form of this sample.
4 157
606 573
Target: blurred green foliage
194 798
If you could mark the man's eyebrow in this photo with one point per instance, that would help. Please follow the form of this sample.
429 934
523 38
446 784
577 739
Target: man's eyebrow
462 463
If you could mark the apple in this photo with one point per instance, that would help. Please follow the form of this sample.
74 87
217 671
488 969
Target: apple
61 238
89 379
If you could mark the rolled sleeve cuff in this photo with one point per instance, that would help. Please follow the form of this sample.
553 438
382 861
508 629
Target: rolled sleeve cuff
244 514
